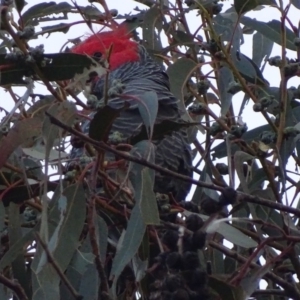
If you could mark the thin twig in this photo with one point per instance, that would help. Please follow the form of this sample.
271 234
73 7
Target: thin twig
14 286
62 276
144 162
290 290
103 288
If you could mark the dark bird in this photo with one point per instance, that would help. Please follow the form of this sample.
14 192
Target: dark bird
132 69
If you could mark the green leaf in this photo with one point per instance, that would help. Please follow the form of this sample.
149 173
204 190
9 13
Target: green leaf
247 68
2 217
179 73
297 126
34 12
45 285
65 112
65 226
91 12
258 177
64 240
262 48
15 234
239 158
217 261
33 15
129 245
39 107
57 8
16 248
221 151
150 37
5 293
226 27
224 289
74 278
251 281
148 107
38 151
212 194
144 250
79 270
271 30
24 131
89 283
148 203
180 38
243 6
19 5
142 179
55 67
286 150
270 216
139 268
288 143
200 192
230 233
224 78
102 122
61 27
148 3
102 236
235 236
296 3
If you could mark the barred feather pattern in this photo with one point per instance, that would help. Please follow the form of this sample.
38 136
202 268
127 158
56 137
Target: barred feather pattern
172 152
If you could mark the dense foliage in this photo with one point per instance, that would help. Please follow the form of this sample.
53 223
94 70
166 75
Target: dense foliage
62 237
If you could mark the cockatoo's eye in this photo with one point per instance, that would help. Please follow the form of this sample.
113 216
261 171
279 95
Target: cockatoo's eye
97 56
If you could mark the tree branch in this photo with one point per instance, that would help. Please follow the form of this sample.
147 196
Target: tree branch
14 286
103 146
62 276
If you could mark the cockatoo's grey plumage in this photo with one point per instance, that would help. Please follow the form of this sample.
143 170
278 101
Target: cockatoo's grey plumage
138 76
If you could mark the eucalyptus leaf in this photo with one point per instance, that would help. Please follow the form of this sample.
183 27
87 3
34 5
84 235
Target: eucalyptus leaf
271 30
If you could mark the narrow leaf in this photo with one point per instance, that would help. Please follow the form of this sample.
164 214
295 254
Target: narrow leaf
102 122
243 6
16 248
248 69
65 240
131 242
148 108
23 131
271 30
262 48
239 158
61 27
149 34
63 111
224 78
19 5
15 234
230 233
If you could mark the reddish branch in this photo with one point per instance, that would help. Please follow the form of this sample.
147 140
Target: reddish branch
291 291
103 146
14 286
60 273
103 288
